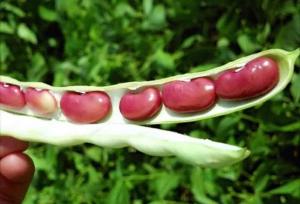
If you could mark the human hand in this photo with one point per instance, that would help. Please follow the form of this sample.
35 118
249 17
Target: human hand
16 170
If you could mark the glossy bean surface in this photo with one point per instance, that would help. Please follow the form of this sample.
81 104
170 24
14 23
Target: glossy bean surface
87 107
140 105
11 96
186 97
254 79
40 101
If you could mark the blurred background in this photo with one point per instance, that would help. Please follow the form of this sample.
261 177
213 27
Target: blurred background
96 42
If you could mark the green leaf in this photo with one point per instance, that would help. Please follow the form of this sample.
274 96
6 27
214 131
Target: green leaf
147 6
4 52
288 8
158 16
260 177
227 24
262 183
156 20
119 194
122 9
198 186
6 28
13 9
71 7
164 59
26 34
259 143
247 44
94 153
47 14
37 68
289 34
194 39
227 125
262 36
223 42
292 188
254 199
165 183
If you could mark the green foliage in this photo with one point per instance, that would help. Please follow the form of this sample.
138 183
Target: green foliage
106 42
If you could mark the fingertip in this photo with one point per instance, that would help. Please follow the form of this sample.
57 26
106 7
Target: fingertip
17 168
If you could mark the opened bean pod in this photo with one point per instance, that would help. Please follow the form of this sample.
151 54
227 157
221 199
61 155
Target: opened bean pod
78 113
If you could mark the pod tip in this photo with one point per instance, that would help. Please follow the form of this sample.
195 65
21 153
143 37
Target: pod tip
293 55
246 154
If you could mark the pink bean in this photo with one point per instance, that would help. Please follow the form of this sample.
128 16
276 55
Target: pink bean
40 101
11 96
140 105
254 79
185 97
85 107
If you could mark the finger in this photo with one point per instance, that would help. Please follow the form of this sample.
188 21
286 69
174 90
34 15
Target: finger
9 145
16 172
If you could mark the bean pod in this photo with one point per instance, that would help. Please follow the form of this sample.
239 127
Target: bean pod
115 112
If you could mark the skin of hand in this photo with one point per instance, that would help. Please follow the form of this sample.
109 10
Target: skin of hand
16 170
